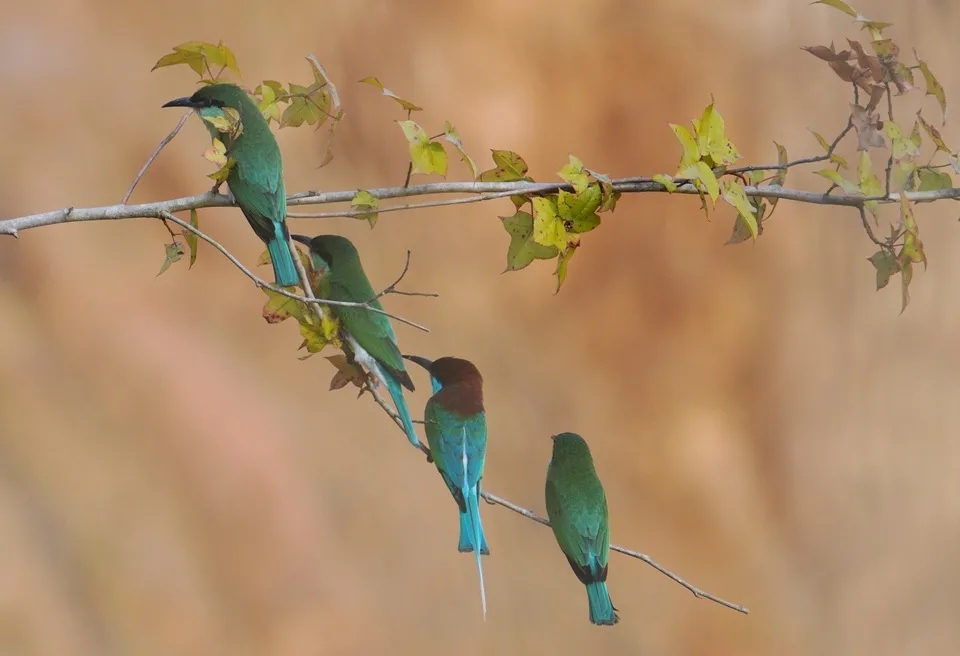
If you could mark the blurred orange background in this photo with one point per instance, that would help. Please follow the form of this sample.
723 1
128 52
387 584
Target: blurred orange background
174 481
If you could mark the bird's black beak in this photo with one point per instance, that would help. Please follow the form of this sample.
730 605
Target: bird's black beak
423 362
303 239
180 102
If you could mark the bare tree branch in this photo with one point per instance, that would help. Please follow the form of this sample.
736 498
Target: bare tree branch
492 189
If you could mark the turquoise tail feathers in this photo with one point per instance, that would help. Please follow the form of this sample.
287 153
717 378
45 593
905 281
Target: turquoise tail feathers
284 269
471 535
396 393
601 608
471 528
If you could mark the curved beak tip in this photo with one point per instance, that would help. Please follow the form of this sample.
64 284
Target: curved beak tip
422 361
303 239
178 102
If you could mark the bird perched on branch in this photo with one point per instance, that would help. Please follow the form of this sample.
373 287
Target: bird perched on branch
369 335
577 508
456 427
256 175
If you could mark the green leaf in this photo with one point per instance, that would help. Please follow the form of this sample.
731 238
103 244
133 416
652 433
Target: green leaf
367 203
451 135
573 173
886 265
406 104
510 167
741 230
427 156
523 250
579 211
191 238
933 86
691 151
548 228
734 194
932 179
837 4
562 261
173 253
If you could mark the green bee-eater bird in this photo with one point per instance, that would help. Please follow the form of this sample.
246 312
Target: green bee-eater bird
256 178
577 508
456 426
369 335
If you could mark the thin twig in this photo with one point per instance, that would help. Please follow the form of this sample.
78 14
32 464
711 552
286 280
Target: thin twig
697 592
260 282
869 230
398 208
156 152
392 288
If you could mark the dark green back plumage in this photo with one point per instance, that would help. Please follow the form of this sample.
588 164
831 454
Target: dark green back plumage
577 508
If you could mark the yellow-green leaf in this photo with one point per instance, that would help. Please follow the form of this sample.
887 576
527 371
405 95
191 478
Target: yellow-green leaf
691 151
573 173
366 203
704 177
406 104
934 87
912 246
820 140
837 4
781 175
510 167
933 133
451 135
906 275
172 253
317 334
523 250
548 228
579 211
279 307
191 237
310 105
839 180
902 176
715 149
666 181
563 261
870 184
427 156
903 145
734 194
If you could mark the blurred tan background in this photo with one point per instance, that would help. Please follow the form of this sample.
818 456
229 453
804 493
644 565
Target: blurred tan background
174 481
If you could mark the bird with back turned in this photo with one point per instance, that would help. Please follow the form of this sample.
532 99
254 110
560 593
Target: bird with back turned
577 509
456 426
